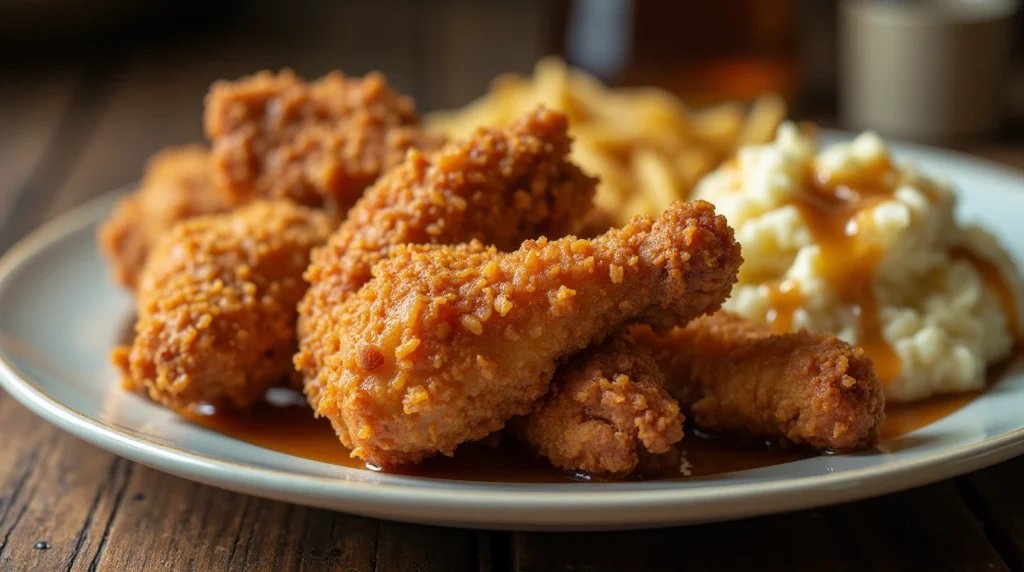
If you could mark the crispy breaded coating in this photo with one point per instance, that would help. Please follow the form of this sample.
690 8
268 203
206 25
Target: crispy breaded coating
176 186
318 143
606 406
217 305
498 186
734 376
444 346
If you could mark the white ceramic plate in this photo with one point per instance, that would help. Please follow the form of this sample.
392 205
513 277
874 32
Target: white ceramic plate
60 315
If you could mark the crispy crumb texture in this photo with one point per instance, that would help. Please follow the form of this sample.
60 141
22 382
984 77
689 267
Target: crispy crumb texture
462 340
606 408
217 306
176 186
498 186
734 376
318 143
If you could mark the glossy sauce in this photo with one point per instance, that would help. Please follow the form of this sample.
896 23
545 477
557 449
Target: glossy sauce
285 424
784 299
902 418
837 212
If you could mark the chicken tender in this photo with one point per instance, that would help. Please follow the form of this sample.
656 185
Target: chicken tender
606 407
445 346
176 186
319 143
734 376
217 306
498 186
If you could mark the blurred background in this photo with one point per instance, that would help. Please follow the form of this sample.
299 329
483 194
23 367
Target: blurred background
90 88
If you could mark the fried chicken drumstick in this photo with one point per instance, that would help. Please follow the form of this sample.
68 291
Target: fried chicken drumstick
444 346
498 186
176 186
606 409
318 143
734 376
217 306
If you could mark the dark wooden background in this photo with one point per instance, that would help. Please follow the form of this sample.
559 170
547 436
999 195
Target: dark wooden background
75 125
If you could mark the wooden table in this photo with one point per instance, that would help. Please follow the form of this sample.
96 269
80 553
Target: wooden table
69 134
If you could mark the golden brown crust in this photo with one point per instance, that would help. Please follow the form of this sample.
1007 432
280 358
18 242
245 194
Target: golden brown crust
462 341
498 186
734 376
217 305
318 143
606 408
176 186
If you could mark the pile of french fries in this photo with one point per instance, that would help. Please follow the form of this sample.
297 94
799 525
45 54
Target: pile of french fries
646 146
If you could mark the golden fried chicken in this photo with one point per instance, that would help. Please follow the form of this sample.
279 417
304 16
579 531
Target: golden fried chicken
444 346
734 376
606 408
318 143
176 186
498 186
217 305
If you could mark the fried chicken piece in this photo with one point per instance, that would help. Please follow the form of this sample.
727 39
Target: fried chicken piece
498 186
606 407
318 143
217 305
176 186
734 376
444 346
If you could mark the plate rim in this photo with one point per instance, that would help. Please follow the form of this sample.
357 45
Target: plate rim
503 505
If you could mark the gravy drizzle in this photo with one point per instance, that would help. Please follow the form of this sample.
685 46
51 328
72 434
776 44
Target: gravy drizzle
837 211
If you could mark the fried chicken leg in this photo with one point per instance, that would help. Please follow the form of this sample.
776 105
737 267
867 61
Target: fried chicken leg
444 346
319 143
498 186
217 305
734 376
606 408
176 186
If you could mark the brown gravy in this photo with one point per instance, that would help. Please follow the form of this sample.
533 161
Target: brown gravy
902 418
289 427
836 211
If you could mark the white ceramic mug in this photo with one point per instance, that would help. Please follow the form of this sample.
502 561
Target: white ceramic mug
929 70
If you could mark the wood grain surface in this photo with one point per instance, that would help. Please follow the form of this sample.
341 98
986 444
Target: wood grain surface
69 135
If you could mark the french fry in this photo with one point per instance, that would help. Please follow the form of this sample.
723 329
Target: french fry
655 178
764 117
645 145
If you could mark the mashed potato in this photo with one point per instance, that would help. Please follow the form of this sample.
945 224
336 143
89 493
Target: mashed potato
846 241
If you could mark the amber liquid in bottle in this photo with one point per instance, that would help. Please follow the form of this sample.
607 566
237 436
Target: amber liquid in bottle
705 51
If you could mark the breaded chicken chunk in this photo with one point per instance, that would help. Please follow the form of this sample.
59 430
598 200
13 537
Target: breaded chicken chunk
734 376
500 186
318 143
217 305
444 346
176 186
606 408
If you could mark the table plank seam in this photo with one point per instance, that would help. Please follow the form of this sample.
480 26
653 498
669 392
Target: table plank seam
83 531
31 466
500 551
246 502
282 541
989 526
128 468
376 547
